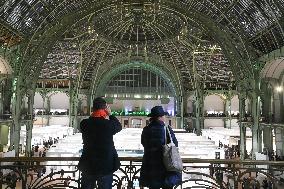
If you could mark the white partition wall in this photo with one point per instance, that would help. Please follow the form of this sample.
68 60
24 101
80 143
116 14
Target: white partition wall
233 122
59 101
141 105
59 120
213 103
38 101
213 123
235 104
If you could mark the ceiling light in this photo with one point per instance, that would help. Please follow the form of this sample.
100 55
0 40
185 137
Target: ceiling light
279 88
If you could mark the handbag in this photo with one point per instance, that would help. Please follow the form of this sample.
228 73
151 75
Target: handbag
171 157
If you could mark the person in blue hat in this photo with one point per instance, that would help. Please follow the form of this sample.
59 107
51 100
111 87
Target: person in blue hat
153 172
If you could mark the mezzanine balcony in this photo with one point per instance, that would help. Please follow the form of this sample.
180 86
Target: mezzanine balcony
61 172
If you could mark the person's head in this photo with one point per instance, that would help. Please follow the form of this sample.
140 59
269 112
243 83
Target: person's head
157 113
99 103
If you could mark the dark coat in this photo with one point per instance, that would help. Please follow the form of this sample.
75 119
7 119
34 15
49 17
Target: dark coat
153 172
99 156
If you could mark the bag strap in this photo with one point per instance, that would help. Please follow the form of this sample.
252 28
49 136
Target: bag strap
167 130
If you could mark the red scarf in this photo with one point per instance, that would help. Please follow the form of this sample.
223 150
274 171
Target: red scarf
99 113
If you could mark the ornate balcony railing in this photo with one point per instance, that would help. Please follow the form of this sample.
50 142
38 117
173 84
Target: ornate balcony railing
61 172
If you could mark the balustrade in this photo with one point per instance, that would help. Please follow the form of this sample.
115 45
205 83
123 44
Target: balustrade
61 172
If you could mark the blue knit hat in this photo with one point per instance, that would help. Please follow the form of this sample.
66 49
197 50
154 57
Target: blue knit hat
157 111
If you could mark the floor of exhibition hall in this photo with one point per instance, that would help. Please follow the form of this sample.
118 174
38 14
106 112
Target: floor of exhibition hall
61 141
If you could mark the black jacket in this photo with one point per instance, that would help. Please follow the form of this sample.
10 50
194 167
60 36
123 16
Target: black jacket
153 172
99 156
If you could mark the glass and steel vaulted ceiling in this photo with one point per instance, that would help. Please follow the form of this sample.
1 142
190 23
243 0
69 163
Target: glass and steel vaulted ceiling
137 80
176 34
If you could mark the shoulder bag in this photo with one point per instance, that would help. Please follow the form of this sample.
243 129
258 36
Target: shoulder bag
171 157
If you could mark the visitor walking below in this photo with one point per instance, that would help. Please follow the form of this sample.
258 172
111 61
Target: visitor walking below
153 172
99 157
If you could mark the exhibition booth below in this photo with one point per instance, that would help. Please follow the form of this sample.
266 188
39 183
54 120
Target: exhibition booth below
62 141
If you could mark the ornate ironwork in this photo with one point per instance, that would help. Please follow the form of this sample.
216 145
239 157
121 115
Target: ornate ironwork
59 172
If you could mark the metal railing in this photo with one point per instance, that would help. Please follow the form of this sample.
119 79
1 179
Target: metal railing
62 172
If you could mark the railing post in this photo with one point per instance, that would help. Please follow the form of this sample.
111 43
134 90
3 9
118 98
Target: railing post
80 179
24 174
235 176
130 181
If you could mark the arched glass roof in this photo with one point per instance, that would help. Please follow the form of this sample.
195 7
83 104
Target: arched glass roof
137 80
260 21
214 41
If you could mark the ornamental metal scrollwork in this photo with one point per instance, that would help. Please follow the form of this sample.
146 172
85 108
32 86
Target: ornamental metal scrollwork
39 173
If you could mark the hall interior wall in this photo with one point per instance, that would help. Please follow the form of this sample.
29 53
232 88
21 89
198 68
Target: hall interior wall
211 103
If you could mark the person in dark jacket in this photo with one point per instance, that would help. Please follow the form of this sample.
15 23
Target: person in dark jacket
99 157
153 172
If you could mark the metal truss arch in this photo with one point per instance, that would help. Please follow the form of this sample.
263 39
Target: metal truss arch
106 77
224 24
152 60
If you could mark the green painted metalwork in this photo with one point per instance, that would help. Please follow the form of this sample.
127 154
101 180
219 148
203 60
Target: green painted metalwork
243 37
18 93
243 152
66 20
207 173
29 123
256 133
120 68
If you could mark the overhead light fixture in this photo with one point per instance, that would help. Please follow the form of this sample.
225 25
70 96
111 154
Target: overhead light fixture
279 88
